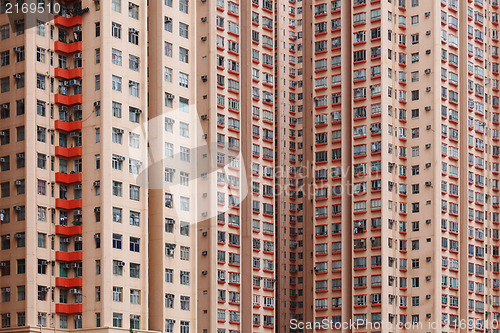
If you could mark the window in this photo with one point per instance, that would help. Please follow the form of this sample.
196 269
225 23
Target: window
183 30
133 10
133 88
116 30
133 36
183 55
117 319
116 57
184 6
183 80
135 270
135 297
116 83
135 192
133 62
134 244
117 241
168 49
116 5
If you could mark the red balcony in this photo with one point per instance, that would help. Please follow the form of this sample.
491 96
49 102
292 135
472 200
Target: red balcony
68 74
69 204
68 178
68 22
67 48
68 100
69 152
68 231
68 308
69 283
68 126
69 256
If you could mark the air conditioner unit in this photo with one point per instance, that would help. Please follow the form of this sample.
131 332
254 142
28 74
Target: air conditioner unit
18 182
63 108
121 263
203 175
18 76
427 296
204 253
123 158
204 78
20 155
77 55
170 96
204 214
18 235
204 195
97 183
74 134
46 289
204 39
204 117
78 238
3 133
204 19
78 317
78 187
168 19
427 51
44 262
97 209
97 104
428 71
97 236
427 145
428 183
428 221
427 14
428 89
2 160
427 108
77 28
66 240
74 291
428 315
17 49
17 208
2 264
74 265
428 258
428 278
428 127
66 265
7 237
204 234
78 107
77 212
204 272
428 165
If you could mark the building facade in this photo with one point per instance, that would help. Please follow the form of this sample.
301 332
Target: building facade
249 166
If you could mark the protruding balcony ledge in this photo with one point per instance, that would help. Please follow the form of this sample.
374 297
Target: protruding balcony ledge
68 74
67 48
69 204
69 256
68 152
68 282
68 22
68 231
68 100
68 178
69 308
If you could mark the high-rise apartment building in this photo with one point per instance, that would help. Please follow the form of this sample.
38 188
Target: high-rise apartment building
390 211
249 166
